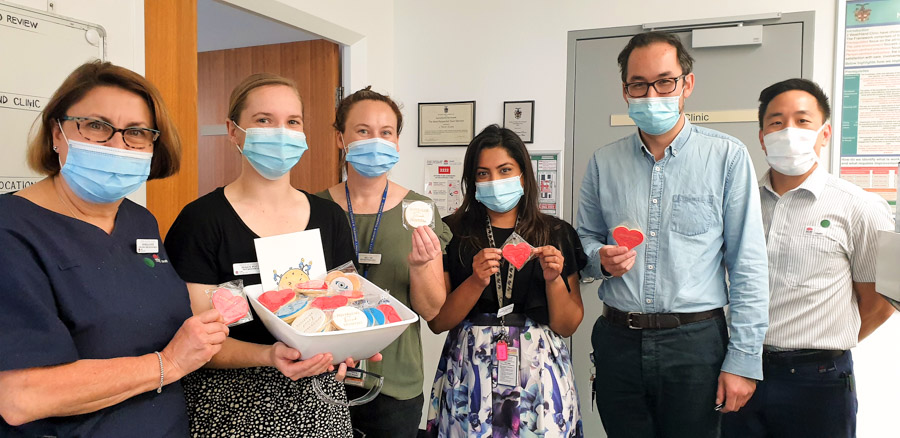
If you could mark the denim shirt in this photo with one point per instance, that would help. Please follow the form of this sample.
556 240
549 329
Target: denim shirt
699 210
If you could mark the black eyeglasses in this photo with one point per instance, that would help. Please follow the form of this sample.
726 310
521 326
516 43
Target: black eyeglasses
100 132
662 86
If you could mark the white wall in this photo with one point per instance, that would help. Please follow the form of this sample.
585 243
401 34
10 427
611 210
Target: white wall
124 24
503 50
373 57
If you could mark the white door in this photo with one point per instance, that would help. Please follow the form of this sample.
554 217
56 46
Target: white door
727 78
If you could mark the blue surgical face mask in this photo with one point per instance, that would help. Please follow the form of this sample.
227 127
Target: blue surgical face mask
104 174
273 151
500 195
372 157
654 115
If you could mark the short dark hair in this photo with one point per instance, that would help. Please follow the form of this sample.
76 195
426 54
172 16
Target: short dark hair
766 96
647 38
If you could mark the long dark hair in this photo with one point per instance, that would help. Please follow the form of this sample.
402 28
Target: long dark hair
468 222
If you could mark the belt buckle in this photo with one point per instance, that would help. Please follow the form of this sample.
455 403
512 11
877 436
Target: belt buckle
630 320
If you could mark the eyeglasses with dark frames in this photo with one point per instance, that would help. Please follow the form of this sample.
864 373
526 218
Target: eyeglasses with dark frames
662 86
99 131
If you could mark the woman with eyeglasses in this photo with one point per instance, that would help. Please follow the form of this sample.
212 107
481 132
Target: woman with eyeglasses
505 370
95 327
256 386
405 262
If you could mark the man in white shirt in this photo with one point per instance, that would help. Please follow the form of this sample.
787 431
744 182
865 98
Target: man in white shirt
821 242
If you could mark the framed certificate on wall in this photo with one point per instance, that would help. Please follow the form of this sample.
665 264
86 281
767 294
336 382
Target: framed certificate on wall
446 123
518 116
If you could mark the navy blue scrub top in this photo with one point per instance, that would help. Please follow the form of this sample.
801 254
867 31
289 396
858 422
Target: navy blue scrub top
70 291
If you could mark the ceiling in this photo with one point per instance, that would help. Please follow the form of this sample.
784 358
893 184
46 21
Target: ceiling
223 26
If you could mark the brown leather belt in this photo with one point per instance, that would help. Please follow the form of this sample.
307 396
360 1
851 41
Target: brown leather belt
638 321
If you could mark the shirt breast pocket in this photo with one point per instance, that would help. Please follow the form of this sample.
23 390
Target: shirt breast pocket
692 214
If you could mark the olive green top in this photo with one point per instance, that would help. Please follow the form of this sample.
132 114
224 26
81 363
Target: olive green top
401 365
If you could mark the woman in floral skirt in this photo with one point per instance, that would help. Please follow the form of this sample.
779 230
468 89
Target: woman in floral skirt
505 370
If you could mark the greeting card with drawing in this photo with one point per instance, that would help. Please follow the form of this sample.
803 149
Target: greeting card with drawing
288 259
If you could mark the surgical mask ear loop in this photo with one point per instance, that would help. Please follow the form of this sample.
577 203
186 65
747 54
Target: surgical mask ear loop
240 151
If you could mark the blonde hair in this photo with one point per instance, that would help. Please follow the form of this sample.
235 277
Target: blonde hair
167 148
238 100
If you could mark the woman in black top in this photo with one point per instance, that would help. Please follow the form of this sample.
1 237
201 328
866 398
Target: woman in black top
506 325
256 386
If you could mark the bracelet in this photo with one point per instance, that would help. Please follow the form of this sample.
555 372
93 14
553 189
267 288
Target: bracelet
162 373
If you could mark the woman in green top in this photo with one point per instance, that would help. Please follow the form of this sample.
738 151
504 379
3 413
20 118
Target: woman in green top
407 263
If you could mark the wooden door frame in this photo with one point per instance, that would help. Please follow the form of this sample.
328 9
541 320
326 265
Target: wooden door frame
170 38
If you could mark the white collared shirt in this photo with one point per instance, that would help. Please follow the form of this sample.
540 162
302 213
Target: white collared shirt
820 238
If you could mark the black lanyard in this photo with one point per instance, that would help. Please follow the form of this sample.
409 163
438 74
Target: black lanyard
510 273
374 228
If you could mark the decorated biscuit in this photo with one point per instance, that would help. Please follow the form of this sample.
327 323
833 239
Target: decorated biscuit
418 214
352 295
627 237
390 314
311 321
342 281
232 307
312 288
517 254
330 303
373 316
349 318
274 299
291 310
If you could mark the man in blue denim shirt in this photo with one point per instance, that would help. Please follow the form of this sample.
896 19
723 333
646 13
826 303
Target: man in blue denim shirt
665 363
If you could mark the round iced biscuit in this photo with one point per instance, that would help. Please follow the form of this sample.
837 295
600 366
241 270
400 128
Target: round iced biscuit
342 281
349 318
418 213
311 321
292 310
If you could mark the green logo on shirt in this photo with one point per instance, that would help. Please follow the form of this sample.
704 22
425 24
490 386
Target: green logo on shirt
825 223
149 262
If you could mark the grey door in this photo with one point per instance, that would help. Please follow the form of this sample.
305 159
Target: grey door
727 78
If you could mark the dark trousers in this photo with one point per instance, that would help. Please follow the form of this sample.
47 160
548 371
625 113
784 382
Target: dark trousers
659 383
815 399
385 416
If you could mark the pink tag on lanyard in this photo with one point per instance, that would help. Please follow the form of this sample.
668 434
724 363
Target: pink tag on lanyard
502 352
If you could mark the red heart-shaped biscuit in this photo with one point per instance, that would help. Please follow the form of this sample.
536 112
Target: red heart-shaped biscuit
232 307
627 237
517 254
274 299
330 303
390 314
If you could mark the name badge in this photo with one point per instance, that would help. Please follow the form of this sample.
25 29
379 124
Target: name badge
505 310
245 268
508 370
147 246
369 259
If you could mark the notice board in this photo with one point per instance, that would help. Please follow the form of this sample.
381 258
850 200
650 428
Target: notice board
866 98
39 50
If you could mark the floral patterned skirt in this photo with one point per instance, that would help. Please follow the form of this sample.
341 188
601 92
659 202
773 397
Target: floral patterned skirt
467 401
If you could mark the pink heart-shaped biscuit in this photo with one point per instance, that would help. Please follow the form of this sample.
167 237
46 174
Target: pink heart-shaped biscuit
390 314
352 295
232 307
627 237
517 254
274 299
330 303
